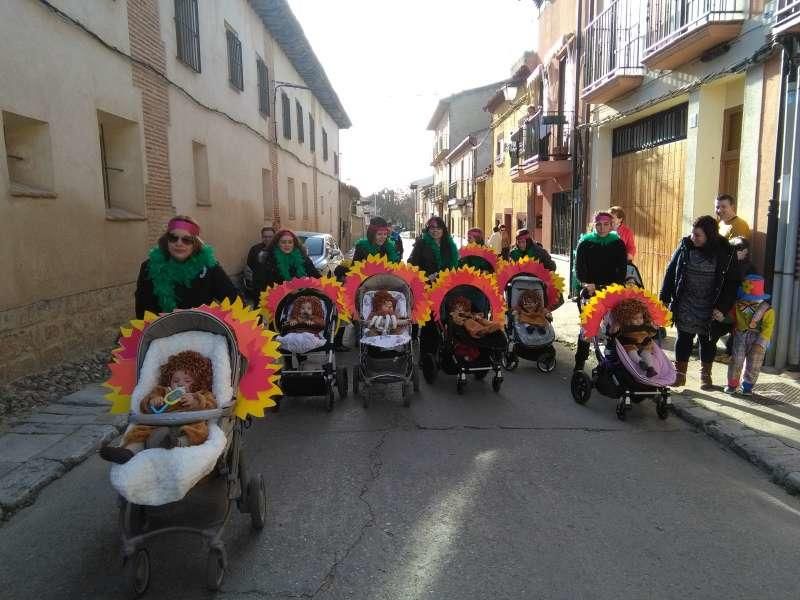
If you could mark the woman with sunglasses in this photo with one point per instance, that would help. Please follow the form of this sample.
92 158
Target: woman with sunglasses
434 250
181 272
286 259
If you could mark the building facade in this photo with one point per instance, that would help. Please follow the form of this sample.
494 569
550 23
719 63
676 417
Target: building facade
167 108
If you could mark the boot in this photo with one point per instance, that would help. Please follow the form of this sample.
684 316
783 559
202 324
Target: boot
680 372
705 376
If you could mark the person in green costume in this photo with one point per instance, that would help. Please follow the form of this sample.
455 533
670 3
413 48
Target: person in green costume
181 272
435 249
286 259
377 242
526 246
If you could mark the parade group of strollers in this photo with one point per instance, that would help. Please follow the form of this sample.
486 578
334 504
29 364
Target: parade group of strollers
191 380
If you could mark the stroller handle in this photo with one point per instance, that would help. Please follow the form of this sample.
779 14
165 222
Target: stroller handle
180 418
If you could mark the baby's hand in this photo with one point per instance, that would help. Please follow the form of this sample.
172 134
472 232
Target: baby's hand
189 401
157 402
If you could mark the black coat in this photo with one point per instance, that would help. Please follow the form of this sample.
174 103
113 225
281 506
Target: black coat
252 256
211 285
422 256
726 278
601 264
267 273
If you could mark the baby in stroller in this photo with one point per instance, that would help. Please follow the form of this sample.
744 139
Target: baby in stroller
184 384
475 324
383 318
532 312
633 327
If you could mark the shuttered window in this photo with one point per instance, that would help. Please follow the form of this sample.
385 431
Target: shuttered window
235 74
263 87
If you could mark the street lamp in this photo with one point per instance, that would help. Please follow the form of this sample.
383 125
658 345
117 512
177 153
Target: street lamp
509 92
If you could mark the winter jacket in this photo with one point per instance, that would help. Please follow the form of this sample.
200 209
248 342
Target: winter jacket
601 261
422 256
212 284
362 250
726 279
252 256
536 252
267 273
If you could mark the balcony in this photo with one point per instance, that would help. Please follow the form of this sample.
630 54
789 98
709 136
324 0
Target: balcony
787 17
611 61
540 149
680 31
453 191
440 150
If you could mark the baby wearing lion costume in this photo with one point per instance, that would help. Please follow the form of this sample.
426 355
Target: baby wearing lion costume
531 310
382 319
307 315
476 325
633 327
187 371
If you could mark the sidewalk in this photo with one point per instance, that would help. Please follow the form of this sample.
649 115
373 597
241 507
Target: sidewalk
764 429
40 447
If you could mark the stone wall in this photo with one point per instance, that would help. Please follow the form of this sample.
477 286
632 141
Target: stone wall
39 335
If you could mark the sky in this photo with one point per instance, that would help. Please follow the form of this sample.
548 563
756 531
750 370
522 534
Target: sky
391 61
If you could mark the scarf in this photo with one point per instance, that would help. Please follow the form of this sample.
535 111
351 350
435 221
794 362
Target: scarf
289 265
166 273
374 250
437 251
603 241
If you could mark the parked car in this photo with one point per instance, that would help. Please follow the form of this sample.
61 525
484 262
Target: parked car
323 251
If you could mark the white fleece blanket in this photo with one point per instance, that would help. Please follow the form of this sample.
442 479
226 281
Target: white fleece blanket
386 341
300 342
158 476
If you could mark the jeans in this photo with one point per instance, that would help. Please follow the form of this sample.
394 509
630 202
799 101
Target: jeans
684 343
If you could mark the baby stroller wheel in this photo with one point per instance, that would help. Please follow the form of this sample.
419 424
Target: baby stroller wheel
510 361
461 384
662 407
341 383
257 502
581 387
137 572
330 399
429 367
496 383
547 363
215 568
622 410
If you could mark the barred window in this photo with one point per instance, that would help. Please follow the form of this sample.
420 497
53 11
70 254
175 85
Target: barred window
263 87
661 128
312 133
324 144
235 74
286 113
301 134
187 32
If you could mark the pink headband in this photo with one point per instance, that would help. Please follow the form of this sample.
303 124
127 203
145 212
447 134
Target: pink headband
185 225
524 236
603 216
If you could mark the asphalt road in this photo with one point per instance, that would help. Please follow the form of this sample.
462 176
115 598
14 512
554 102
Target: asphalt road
522 494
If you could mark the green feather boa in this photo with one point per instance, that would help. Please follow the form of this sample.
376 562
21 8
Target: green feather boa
374 250
603 241
166 273
290 265
437 251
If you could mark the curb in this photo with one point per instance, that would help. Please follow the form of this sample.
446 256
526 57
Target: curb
780 460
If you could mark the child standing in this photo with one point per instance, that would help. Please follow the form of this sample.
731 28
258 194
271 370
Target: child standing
754 321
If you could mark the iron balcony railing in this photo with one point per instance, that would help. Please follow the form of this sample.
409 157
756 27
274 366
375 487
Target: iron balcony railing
453 192
668 20
545 136
613 42
788 10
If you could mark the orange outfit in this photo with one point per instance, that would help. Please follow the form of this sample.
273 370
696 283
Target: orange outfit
196 433
475 323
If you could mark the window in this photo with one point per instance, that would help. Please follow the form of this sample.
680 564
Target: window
235 74
322 205
312 133
28 156
286 113
498 152
121 166
263 87
266 194
661 128
187 32
301 135
304 197
292 207
324 144
335 163
201 186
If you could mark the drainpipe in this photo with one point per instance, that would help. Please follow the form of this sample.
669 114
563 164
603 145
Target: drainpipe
576 179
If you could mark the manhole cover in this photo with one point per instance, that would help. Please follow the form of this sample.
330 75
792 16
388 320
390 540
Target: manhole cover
771 394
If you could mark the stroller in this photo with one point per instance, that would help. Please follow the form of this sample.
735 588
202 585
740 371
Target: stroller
148 509
617 377
527 341
385 359
460 354
298 379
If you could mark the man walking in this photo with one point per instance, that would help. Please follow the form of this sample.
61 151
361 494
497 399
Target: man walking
730 226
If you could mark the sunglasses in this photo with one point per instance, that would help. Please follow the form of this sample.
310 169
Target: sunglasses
186 239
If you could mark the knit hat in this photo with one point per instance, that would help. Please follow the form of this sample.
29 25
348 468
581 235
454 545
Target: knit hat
752 289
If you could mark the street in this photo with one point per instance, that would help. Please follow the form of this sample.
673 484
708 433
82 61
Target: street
524 494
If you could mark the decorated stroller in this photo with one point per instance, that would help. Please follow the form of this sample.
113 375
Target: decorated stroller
481 258
309 359
165 489
617 374
532 292
387 343
459 353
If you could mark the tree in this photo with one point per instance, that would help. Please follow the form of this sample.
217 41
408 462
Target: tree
396 206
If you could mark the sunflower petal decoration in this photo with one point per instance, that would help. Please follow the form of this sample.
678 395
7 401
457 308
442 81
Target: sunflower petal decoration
479 251
606 299
377 265
257 386
486 283
528 266
272 296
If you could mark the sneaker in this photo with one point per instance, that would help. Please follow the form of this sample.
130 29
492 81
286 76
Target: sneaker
729 389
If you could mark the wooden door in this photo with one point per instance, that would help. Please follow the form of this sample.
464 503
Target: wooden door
648 184
729 157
